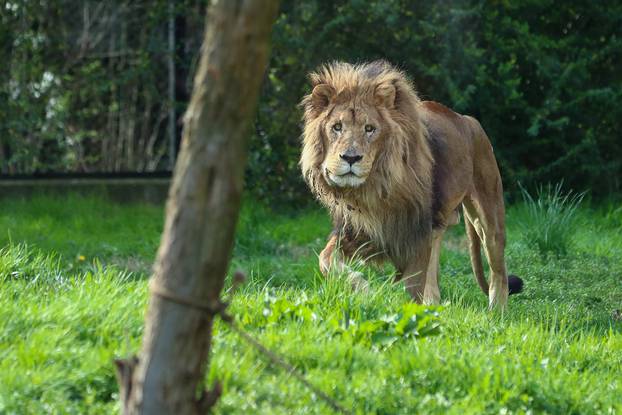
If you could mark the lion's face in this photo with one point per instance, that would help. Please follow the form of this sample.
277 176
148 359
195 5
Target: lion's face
360 123
353 139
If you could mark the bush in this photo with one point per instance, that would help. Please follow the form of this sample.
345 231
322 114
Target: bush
542 77
550 219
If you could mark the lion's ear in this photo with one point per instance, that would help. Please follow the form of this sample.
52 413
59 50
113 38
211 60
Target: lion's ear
321 96
384 95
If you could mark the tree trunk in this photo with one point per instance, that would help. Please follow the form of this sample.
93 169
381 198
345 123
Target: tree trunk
172 129
202 211
182 60
3 160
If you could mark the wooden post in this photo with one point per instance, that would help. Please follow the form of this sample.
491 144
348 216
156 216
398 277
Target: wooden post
202 212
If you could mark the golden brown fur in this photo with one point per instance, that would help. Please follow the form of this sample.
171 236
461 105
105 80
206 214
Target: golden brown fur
393 170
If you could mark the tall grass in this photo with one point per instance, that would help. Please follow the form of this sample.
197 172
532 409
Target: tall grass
550 219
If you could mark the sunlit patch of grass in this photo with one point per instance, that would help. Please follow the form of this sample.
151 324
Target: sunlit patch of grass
19 263
59 332
76 227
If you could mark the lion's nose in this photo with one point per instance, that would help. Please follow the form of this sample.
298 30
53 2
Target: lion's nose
350 159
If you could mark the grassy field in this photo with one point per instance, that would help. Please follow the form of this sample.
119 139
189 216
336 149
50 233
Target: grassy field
73 294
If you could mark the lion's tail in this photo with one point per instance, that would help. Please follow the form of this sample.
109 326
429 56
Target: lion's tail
515 284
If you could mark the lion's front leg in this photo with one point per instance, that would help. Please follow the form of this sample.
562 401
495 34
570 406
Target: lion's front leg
334 258
414 272
327 256
431 292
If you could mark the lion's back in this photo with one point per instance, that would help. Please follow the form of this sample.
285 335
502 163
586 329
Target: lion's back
451 141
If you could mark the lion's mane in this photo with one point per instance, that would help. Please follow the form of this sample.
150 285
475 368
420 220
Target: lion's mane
393 207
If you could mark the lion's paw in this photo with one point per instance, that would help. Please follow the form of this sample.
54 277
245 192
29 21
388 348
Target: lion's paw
358 281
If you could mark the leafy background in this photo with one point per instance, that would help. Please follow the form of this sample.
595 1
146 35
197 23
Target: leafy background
84 87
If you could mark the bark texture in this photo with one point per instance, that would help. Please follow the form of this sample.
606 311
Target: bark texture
202 212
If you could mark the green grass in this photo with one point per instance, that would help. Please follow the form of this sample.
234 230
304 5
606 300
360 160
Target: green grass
73 294
550 218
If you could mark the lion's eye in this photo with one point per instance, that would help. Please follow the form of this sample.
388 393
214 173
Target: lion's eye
337 127
370 128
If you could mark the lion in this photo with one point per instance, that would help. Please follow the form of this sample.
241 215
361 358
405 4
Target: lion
393 171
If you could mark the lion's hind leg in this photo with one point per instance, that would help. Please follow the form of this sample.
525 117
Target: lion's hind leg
486 213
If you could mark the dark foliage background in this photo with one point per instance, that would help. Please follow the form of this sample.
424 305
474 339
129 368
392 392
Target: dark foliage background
84 84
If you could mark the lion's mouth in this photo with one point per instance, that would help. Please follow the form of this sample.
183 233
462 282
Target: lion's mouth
346 174
349 174
348 179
